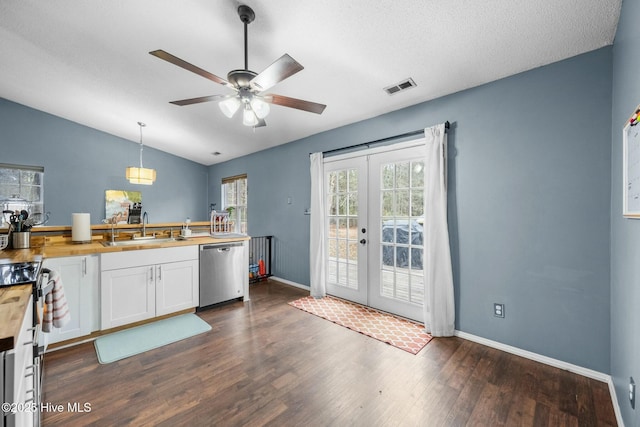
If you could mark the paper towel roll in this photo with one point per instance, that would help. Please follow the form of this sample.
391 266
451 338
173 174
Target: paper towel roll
81 227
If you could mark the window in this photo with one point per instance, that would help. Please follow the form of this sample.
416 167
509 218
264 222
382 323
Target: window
23 183
234 200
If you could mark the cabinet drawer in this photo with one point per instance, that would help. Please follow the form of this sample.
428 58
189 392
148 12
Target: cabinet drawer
127 259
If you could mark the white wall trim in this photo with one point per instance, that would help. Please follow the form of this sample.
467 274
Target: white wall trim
290 283
589 373
614 400
416 142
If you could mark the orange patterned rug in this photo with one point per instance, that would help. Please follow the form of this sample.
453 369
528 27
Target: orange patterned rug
401 333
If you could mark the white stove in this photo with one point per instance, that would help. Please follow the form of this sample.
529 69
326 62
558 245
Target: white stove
31 346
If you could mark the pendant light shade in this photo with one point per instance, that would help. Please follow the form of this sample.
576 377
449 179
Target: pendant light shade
140 175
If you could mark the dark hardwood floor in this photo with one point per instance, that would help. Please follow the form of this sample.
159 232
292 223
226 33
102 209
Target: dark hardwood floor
267 363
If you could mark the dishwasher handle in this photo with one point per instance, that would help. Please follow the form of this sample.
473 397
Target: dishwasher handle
224 247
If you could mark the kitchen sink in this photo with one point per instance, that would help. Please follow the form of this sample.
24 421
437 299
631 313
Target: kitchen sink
138 242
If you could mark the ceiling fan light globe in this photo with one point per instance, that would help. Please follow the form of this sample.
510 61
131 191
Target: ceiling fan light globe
229 106
249 118
260 108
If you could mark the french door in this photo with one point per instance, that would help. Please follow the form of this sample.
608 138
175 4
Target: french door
374 238
345 187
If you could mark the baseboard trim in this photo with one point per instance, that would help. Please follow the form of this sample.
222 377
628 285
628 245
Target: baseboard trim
585 372
589 373
290 283
614 400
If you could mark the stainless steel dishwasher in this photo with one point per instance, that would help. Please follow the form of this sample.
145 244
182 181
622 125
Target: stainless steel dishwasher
222 272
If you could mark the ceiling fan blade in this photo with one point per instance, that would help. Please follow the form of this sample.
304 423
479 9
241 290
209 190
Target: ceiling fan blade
190 67
282 68
286 101
198 100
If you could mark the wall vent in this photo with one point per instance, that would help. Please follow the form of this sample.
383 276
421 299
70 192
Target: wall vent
398 87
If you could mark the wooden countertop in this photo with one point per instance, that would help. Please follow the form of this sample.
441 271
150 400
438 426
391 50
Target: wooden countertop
57 250
67 228
13 303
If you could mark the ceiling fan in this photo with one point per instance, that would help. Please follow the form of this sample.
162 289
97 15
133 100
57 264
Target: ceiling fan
249 86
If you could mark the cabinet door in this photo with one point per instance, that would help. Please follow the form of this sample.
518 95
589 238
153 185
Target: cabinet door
79 281
176 286
128 295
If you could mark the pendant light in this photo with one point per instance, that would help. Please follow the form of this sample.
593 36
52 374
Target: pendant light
140 175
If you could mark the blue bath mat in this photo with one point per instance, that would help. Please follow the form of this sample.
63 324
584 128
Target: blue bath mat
122 344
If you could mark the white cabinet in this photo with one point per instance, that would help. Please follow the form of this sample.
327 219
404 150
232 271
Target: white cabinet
80 281
142 284
177 286
127 295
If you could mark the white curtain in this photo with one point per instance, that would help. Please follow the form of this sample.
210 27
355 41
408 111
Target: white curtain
316 245
439 305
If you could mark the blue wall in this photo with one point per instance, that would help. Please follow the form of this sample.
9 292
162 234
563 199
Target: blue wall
530 199
31 137
625 233
529 203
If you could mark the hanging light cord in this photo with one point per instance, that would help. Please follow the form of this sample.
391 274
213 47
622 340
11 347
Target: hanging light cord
141 146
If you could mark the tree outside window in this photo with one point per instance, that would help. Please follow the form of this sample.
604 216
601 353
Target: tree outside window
234 201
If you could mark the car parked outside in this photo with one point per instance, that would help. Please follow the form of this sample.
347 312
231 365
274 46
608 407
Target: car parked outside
407 232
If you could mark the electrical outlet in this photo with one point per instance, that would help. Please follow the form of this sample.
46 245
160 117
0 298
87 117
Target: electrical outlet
498 309
632 393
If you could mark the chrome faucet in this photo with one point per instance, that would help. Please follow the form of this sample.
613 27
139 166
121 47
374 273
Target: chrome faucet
145 217
111 221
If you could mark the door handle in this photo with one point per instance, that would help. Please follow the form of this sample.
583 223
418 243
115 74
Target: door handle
363 241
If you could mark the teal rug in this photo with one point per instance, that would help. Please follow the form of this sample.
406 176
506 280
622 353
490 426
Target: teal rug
129 342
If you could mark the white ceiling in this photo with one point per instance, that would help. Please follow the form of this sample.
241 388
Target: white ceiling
88 61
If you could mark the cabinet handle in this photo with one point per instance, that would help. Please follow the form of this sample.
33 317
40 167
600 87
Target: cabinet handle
84 266
151 274
159 272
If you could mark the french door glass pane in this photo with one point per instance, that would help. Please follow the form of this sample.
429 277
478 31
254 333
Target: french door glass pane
342 215
402 214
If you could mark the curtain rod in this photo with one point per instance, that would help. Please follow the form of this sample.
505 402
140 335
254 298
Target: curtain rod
377 141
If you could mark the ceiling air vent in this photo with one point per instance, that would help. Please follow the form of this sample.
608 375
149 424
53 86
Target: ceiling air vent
398 87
